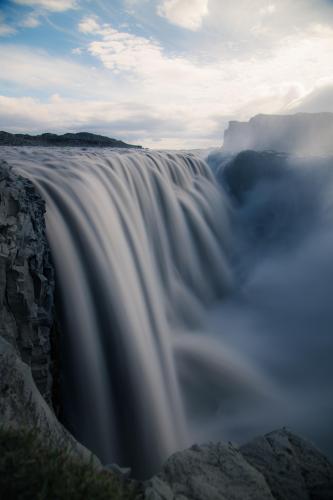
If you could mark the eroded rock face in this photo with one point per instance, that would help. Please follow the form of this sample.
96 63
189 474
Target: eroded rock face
26 276
277 466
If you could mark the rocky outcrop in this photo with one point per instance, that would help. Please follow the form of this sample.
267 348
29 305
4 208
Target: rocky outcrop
81 139
293 467
302 134
277 466
22 405
26 277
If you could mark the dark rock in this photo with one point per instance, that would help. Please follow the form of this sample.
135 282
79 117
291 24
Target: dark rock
26 277
292 466
22 406
81 139
26 316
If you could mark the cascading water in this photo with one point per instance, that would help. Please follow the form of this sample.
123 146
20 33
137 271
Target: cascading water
139 243
184 304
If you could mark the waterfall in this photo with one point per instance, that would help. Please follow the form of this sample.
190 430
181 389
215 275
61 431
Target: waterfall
195 306
140 243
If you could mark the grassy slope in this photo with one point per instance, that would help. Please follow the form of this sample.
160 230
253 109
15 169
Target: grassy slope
30 470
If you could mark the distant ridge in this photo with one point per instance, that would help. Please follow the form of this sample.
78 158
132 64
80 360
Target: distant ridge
301 133
80 139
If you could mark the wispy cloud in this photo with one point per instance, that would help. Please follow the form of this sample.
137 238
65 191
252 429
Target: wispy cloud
89 24
36 70
5 29
51 5
30 21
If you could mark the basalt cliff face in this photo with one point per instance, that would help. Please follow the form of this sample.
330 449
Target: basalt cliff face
26 277
302 134
26 313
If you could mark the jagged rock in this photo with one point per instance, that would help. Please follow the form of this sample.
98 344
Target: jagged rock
301 133
26 276
277 466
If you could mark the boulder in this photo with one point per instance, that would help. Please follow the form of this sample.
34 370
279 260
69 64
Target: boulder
279 466
291 465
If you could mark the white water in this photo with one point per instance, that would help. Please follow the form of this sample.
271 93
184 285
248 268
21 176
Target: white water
182 322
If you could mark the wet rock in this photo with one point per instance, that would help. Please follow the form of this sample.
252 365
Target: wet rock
279 466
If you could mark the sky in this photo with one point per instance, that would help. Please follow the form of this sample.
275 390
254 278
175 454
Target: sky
161 73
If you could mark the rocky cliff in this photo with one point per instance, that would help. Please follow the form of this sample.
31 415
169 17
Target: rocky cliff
26 314
26 277
302 134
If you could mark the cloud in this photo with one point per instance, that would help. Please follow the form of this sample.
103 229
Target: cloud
129 121
89 24
35 70
139 89
30 21
5 29
51 5
77 51
227 82
319 99
267 10
187 14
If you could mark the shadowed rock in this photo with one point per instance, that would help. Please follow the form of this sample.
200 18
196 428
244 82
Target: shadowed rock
26 276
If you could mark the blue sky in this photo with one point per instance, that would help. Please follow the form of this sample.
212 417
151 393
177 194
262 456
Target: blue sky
162 73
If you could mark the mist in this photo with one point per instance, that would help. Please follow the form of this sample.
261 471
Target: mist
275 328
